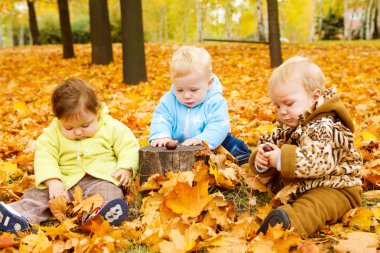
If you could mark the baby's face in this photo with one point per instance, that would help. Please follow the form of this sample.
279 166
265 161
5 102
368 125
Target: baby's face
79 126
191 90
291 100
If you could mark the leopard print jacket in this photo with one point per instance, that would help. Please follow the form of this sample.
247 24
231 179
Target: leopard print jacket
320 151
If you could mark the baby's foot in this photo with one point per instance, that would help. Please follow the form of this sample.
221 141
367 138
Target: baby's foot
10 220
115 211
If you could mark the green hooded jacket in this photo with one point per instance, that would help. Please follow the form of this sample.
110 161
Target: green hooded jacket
112 147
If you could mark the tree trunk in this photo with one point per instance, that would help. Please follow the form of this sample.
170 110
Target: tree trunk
185 27
320 20
21 36
312 25
346 20
33 23
260 21
134 68
198 9
376 30
274 34
373 21
378 19
2 43
159 160
229 23
67 37
368 22
10 32
100 32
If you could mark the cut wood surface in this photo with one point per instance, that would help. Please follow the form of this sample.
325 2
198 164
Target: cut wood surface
160 160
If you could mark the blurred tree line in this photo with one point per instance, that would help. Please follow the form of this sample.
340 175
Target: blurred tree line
195 20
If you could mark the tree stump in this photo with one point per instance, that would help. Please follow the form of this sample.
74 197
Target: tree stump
160 160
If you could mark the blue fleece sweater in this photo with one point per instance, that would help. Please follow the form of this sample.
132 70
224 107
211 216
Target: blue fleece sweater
207 121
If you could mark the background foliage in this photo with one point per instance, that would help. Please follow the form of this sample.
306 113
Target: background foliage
175 21
28 75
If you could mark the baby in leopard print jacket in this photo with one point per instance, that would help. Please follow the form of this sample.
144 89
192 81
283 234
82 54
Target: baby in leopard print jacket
312 146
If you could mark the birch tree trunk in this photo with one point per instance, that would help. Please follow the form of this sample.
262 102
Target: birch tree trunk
260 21
228 18
185 27
198 9
368 22
312 24
166 27
346 19
320 19
10 32
2 44
21 36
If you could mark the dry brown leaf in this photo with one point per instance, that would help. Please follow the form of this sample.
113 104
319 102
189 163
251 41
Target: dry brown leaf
284 195
357 242
58 206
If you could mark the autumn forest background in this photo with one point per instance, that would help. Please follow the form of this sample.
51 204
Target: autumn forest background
218 206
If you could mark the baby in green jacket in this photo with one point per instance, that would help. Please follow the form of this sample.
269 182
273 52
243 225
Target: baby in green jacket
83 146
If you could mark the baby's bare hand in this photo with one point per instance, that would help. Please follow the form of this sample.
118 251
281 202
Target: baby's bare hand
125 176
56 188
160 142
192 142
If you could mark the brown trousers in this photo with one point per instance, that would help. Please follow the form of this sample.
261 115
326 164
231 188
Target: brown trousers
321 206
34 203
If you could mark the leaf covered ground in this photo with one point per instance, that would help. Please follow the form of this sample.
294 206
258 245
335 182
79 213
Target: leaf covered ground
223 204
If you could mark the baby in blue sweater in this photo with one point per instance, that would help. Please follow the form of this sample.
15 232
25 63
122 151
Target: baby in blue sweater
194 109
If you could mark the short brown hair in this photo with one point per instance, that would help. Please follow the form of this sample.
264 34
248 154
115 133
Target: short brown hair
73 95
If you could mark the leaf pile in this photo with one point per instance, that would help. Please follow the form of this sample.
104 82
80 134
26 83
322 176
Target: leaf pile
188 211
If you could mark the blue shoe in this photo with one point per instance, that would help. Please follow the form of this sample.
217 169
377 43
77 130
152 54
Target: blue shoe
10 221
115 211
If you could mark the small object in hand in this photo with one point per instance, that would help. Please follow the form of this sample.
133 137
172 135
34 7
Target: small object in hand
267 148
170 145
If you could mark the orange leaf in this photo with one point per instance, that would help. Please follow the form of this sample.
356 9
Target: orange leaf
89 204
58 206
7 240
187 199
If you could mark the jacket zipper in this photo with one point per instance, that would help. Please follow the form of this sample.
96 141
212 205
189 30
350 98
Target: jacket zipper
187 134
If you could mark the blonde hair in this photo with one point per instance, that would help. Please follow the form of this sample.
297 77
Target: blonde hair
189 59
298 69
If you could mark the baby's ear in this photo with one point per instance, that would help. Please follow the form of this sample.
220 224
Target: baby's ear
316 94
210 81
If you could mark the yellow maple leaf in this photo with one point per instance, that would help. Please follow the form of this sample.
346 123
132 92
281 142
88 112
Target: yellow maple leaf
35 243
20 106
187 199
226 242
360 217
178 242
153 183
